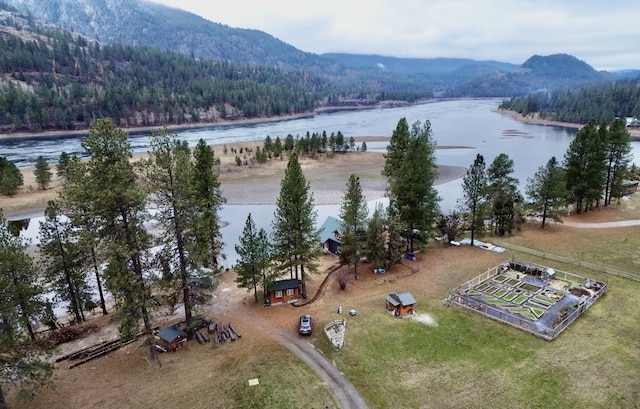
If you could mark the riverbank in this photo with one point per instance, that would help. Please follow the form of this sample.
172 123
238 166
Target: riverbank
535 119
253 184
170 127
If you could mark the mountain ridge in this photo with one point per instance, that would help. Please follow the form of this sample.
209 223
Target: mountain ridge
144 23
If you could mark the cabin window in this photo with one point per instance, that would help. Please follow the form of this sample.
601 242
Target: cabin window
278 294
289 291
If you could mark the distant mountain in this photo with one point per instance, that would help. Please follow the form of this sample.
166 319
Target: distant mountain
418 65
142 23
557 71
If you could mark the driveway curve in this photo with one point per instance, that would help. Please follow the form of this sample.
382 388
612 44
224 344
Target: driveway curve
347 396
603 225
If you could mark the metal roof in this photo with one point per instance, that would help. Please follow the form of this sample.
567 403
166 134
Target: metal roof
329 227
283 284
404 298
171 333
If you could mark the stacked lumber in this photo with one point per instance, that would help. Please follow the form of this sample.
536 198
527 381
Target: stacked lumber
91 352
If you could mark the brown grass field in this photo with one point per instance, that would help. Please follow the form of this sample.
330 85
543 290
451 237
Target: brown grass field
465 361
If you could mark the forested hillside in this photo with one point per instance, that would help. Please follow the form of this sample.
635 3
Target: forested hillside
547 73
373 77
56 80
602 102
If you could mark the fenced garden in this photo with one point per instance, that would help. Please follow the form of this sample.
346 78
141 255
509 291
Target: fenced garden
534 298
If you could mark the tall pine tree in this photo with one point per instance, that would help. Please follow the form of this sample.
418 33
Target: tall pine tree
42 172
474 188
118 203
167 174
207 201
254 256
294 236
23 357
63 267
354 213
411 172
618 157
547 191
585 167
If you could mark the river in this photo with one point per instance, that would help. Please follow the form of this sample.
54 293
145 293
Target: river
472 124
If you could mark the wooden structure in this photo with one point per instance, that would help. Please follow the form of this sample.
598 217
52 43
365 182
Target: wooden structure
171 338
283 292
400 304
222 333
330 235
629 187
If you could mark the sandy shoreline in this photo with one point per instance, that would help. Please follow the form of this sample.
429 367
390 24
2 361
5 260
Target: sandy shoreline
255 184
634 133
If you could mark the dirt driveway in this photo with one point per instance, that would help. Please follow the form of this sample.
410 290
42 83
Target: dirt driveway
278 323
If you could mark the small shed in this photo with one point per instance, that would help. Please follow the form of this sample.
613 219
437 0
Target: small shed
330 235
283 292
629 187
400 304
171 338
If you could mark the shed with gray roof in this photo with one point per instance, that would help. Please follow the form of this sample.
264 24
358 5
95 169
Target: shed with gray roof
400 304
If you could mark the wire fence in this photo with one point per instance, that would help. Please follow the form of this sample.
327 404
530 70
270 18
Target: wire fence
567 260
558 316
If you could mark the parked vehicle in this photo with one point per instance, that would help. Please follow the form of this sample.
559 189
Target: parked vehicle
305 325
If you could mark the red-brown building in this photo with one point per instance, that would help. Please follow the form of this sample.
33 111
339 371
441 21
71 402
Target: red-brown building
170 338
283 292
400 304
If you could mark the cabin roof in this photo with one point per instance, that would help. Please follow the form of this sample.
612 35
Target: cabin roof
403 298
328 229
171 333
283 284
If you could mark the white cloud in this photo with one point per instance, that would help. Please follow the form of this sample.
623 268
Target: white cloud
604 35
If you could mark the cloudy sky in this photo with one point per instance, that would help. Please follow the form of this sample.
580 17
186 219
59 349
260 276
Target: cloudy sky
605 35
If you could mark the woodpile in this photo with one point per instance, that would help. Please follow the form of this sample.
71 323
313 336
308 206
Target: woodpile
222 333
71 333
91 352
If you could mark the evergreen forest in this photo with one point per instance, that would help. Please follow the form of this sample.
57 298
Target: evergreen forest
602 102
58 80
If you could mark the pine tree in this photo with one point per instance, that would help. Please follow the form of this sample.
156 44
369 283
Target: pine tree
474 187
42 173
207 201
411 173
254 255
61 166
375 250
10 177
24 358
502 188
618 157
59 248
396 149
118 204
167 174
75 200
585 167
353 213
294 236
547 190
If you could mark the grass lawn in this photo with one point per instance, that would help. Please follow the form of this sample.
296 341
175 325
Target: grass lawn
470 361
463 361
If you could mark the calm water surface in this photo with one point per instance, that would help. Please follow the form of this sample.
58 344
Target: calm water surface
471 125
